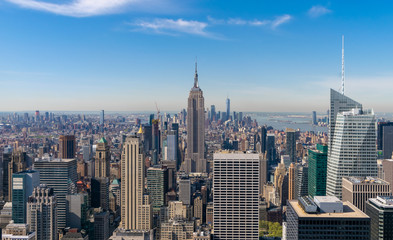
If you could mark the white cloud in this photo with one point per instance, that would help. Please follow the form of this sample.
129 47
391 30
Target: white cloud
77 8
317 11
171 26
281 20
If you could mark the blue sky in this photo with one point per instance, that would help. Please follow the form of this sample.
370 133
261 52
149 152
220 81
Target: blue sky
125 55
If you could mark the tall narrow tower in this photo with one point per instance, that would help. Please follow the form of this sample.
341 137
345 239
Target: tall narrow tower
102 160
136 212
228 102
195 159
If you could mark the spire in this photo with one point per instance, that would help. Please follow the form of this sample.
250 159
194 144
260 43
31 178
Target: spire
196 85
342 67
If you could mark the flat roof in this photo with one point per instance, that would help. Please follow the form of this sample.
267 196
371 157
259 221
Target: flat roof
367 180
350 211
327 199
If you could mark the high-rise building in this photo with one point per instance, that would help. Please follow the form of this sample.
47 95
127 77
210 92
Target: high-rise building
195 157
100 193
102 118
157 186
102 159
325 218
101 225
61 175
236 196
317 167
185 191
77 208
228 103
353 149
176 229
42 213
172 146
263 139
17 164
18 231
380 127
23 184
213 114
357 190
291 144
136 211
387 139
5 177
271 149
301 182
291 182
67 146
380 210
198 208
314 118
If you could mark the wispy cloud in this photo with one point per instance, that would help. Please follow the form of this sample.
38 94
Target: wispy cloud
272 23
77 8
317 11
172 27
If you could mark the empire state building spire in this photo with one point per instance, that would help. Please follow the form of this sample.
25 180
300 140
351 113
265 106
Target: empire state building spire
196 84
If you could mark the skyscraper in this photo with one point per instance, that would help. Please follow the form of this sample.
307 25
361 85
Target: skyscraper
136 211
270 149
228 103
67 146
291 144
102 159
387 141
291 182
263 139
157 186
23 184
314 118
213 116
195 159
236 196
42 213
185 191
17 164
102 118
61 175
380 210
353 149
317 167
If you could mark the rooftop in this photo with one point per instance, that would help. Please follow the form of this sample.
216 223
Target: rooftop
383 201
370 180
350 211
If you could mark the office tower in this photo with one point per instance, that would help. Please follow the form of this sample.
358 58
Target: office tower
317 167
61 175
41 213
155 141
5 214
380 128
136 211
314 118
23 184
286 160
198 208
67 146
228 103
353 150
263 139
103 159
17 164
101 225
386 139
301 182
338 103
102 119
270 149
185 191
380 210
100 193
357 190
213 113
157 186
264 173
291 144
78 205
236 196
18 231
195 158
325 218
291 180
172 146
5 180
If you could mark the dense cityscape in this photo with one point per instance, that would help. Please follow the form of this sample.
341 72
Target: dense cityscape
196 120
195 175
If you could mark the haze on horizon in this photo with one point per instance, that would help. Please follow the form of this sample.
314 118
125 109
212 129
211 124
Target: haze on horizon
126 55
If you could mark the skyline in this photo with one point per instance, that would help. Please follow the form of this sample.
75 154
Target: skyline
267 57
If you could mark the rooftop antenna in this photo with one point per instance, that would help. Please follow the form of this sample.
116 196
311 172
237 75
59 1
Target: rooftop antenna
342 67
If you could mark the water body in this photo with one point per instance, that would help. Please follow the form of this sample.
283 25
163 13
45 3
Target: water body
281 121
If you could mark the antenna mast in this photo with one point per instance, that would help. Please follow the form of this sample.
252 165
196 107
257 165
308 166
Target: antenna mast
342 67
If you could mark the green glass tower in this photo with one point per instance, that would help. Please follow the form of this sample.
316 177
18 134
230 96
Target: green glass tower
157 186
317 167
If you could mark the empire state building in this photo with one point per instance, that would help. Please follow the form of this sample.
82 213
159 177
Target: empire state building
195 156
